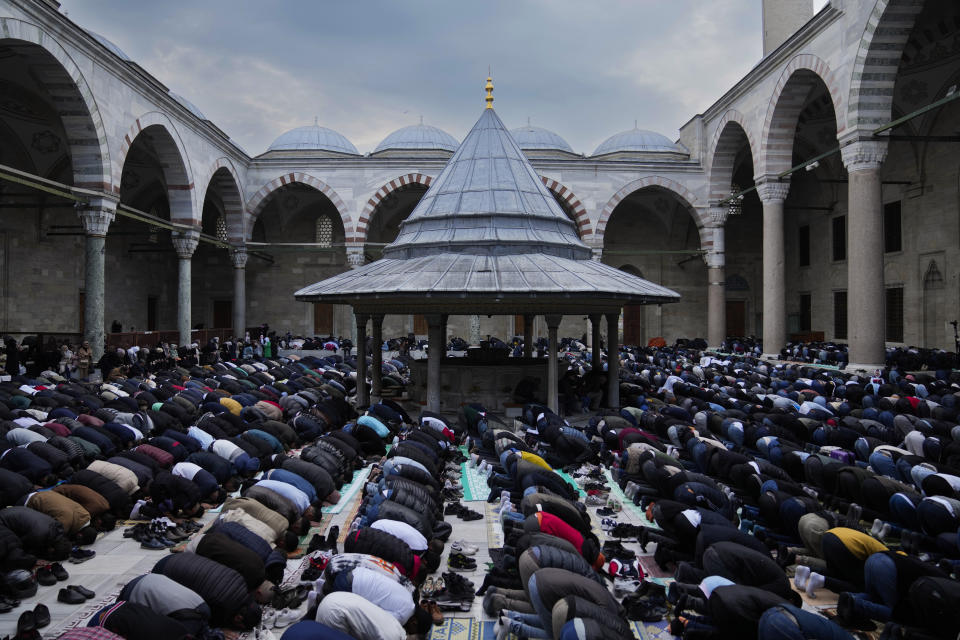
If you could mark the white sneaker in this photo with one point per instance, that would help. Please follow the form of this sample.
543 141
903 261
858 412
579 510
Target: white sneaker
464 547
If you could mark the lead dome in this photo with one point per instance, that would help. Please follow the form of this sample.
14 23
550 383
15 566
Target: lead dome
418 137
313 138
638 141
531 138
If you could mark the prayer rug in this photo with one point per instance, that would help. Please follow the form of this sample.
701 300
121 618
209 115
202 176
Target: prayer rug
651 569
462 629
349 491
474 483
651 630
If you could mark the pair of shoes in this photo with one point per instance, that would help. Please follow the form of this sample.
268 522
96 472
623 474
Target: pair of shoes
31 620
78 555
285 618
595 501
614 549
74 594
460 562
431 607
464 547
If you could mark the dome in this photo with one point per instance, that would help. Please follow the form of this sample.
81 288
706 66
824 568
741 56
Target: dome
313 138
637 141
420 137
192 108
532 138
114 49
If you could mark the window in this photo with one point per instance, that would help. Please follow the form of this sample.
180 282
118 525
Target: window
840 315
839 238
803 239
891 227
805 312
894 309
324 231
222 228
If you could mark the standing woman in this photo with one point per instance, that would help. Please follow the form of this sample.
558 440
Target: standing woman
66 361
13 356
84 357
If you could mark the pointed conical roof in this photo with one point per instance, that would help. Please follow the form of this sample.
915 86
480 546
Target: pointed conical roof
487 236
488 200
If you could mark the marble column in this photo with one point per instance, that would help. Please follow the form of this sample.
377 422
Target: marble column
715 258
613 360
596 356
475 337
865 287
773 194
527 335
185 243
355 260
553 378
376 373
95 217
437 348
361 326
239 257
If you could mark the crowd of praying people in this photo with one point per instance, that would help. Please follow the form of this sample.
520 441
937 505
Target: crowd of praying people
761 483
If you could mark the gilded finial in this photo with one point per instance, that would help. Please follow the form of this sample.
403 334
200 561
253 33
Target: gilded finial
489 89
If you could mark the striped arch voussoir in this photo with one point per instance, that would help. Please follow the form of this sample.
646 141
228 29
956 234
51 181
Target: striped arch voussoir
723 153
651 181
573 203
363 221
259 200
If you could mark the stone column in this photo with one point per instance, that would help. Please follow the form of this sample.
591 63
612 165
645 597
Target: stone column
376 374
865 287
355 260
527 335
361 327
715 258
596 356
239 257
475 330
437 349
185 243
613 359
95 217
773 194
553 378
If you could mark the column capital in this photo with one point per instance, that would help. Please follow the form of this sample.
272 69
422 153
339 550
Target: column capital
435 319
185 242
595 318
96 215
362 319
553 320
863 155
772 190
355 257
716 216
377 318
238 255
613 316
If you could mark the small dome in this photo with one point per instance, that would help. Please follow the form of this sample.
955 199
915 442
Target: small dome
531 138
637 141
114 49
420 137
313 138
192 108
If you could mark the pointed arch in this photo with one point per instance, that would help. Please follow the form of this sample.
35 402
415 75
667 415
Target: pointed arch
259 200
780 124
174 162
684 194
723 152
75 104
573 203
875 66
224 178
363 220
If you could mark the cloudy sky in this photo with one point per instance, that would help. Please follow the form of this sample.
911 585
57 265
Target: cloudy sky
586 70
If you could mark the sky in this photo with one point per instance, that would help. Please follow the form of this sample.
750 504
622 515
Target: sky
585 70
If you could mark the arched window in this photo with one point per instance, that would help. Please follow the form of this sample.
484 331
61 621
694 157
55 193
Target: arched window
222 228
324 231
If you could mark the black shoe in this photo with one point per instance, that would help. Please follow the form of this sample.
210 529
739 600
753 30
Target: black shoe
152 543
45 577
452 509
460 562
468 515
78 555
69 596
333 536
42 615
59 572
27 622
316 543
5 606
83 591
